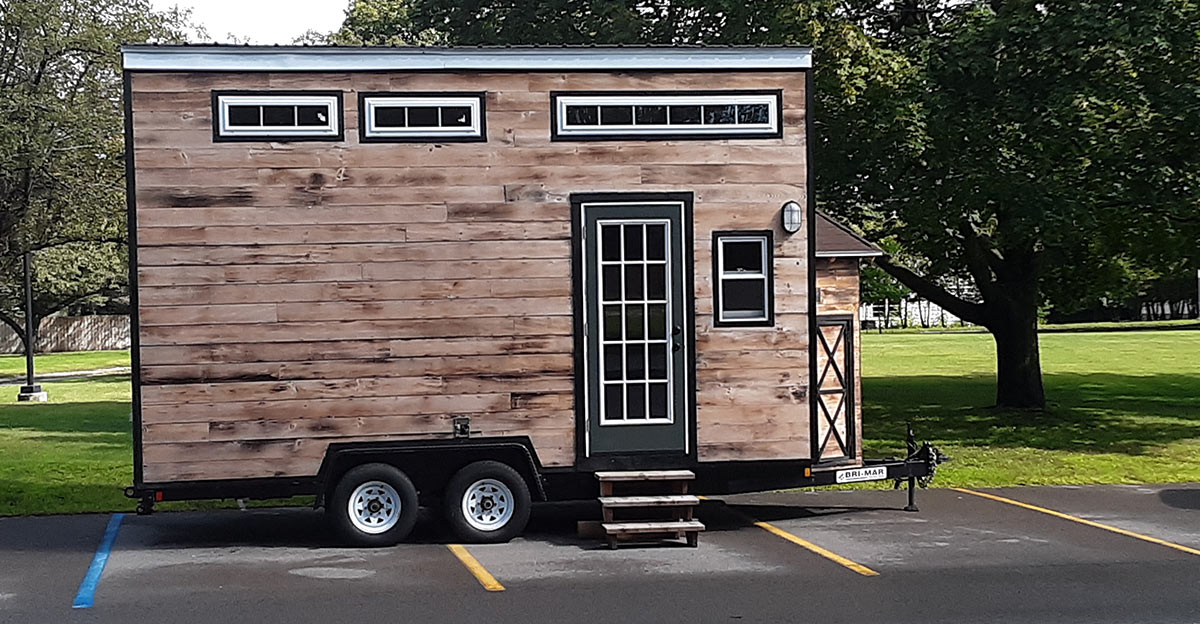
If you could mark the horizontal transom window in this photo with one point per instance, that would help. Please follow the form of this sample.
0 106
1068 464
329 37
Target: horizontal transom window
731 114
277 116
423 117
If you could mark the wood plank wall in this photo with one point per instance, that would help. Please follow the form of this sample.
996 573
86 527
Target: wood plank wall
294 294
839 287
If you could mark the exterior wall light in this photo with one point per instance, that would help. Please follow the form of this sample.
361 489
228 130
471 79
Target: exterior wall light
793 217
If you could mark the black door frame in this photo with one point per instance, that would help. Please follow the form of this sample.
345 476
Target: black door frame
849 386
633 460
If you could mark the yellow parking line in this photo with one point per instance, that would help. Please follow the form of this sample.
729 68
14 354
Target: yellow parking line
1091 523
799 541
832 556
484 577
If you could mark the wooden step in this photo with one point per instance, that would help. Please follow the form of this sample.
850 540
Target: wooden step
665 526
645 475
673 500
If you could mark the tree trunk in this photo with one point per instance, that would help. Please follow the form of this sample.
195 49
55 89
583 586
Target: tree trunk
1018 361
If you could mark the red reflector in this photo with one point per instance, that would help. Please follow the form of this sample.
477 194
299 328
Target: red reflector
158 496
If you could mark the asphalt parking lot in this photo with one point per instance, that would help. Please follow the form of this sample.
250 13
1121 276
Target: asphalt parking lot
1111 554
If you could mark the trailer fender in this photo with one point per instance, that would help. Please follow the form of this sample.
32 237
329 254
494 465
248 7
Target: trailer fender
431 463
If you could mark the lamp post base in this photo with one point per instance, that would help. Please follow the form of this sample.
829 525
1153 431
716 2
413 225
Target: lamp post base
32 393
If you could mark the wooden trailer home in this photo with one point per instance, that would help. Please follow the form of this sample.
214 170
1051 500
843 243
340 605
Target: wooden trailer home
484 277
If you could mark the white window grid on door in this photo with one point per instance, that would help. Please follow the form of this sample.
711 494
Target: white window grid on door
623 264
761 275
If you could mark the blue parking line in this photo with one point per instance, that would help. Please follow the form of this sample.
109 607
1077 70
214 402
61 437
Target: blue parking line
87 589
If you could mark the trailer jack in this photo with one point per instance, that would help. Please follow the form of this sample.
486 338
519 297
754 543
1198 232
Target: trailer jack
928 456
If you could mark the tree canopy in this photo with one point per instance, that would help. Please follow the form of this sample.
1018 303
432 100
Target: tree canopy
62 188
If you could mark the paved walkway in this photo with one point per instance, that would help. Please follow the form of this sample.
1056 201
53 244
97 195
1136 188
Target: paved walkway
67 375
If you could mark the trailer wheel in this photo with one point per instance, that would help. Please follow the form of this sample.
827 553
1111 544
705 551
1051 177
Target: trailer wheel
487 501
374 505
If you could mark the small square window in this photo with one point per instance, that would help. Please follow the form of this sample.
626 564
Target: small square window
390 117
423 117
753 114
456 116
743 279
721 114
583 115
652 115
244 116
312 116
685 115
616 115
279 115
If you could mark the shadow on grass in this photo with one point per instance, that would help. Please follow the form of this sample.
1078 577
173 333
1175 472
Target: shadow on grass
1101 413
81 418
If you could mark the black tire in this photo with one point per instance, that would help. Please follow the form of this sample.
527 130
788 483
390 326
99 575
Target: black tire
356 531
474 480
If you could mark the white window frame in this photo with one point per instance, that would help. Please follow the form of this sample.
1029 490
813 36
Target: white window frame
331 129
722 276
475 131
770 129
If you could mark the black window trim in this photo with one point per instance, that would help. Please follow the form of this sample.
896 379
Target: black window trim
338 109
481 96
555 135
717 236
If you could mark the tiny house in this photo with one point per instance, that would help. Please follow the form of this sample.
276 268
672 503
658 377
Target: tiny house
393 276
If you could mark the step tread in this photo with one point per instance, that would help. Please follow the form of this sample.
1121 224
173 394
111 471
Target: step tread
645 475
672 500
667 526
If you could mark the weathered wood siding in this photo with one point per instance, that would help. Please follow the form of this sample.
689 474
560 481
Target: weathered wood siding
292 294
839 288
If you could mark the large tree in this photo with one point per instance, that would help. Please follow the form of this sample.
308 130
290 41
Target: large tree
1058 152
1037 150
62 189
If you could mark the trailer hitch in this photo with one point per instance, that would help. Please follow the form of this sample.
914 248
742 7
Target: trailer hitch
926 455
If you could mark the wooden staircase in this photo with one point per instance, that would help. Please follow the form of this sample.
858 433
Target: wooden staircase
648 505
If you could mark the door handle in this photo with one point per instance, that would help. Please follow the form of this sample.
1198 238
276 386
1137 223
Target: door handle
675 343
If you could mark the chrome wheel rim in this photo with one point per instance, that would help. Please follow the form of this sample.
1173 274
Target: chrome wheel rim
487 505
374 507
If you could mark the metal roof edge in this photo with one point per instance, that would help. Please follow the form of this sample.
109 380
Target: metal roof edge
849 254
148 57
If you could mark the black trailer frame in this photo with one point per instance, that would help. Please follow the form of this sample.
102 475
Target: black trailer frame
430 462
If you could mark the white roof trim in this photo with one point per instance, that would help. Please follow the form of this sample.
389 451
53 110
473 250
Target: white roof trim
249 58
848 254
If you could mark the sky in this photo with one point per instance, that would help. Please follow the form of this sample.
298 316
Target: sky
261 21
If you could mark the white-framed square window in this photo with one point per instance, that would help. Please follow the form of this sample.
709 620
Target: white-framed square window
667 115
743 276
277 116
422 117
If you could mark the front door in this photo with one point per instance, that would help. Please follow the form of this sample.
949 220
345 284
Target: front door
635 326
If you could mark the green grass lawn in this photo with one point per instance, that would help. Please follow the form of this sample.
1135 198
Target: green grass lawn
14 365
73 454
1125 408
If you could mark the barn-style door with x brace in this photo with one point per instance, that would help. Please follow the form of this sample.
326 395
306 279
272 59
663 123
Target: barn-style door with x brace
834 422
